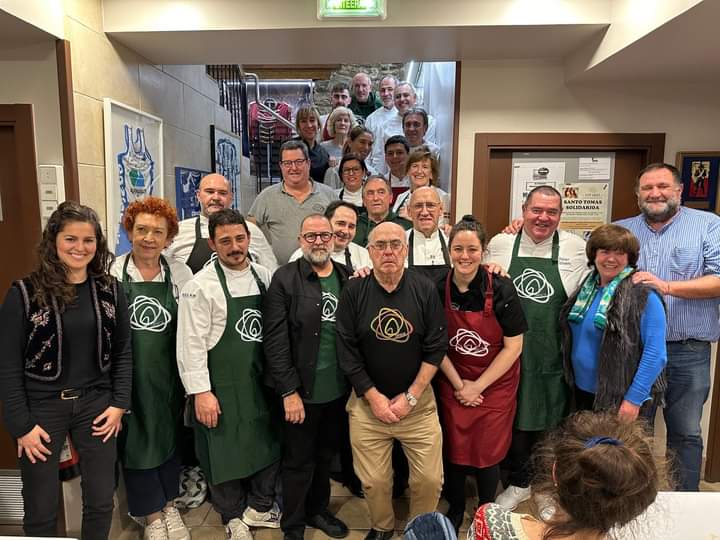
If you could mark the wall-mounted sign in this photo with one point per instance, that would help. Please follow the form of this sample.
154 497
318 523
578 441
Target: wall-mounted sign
367 9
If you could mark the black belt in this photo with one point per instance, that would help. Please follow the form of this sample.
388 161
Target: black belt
688 340
75 393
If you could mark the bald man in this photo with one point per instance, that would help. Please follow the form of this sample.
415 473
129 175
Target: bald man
364 101
394 314
191 246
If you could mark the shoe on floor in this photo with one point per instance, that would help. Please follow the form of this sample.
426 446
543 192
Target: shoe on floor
512 496
374 534
456 517
269 519
176 529
328 524
156 530
237 530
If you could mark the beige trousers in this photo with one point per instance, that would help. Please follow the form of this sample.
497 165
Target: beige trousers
372 440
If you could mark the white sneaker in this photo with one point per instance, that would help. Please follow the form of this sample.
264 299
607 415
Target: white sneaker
156 531
176 529
270 519
237 530
512 496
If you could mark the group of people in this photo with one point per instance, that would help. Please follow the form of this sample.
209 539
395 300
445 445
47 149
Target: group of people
317 325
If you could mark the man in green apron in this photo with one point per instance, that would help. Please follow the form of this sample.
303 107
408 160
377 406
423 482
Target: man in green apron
220 359
546 266
299 316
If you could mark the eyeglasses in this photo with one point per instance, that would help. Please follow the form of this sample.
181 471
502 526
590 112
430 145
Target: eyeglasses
429 205
382 245
290 162
311 237
352 170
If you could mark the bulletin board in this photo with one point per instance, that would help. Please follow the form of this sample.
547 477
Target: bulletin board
584 179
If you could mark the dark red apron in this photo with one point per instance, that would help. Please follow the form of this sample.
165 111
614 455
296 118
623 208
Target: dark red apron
477 436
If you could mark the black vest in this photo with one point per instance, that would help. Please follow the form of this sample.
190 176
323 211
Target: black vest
43 350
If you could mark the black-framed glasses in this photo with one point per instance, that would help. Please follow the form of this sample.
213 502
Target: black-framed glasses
311 237
352 170
290 162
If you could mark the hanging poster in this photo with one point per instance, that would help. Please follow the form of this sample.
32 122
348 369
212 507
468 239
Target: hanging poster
225 153
133 164
187 182
699 172
529 175
585 206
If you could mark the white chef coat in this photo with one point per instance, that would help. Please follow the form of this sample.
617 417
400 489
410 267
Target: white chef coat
180 273
427 251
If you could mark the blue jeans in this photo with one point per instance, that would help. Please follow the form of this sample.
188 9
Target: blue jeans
688 386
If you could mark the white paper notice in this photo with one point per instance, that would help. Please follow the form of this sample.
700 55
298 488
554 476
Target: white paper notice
594 168
585 207
529 175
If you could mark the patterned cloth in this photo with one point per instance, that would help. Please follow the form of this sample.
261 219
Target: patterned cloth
587 294
493 522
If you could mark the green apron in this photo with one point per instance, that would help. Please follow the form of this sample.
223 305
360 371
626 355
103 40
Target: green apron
542 395
247 437
150 433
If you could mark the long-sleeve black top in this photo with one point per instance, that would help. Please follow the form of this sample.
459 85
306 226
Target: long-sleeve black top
79 350
384 337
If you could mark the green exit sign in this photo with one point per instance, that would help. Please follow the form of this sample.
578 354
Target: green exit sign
368 9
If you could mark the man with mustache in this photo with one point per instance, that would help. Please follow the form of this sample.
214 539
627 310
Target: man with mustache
343 218
377 197
391 337
680 257
220 360
191 245
547 265
299 341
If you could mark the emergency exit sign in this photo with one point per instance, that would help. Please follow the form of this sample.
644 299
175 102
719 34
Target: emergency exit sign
367 9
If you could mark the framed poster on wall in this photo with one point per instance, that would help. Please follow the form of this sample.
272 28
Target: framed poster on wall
187 182
225 153
133 164
699 173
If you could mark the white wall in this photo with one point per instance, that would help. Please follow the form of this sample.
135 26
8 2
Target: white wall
533 97
47 15
29 75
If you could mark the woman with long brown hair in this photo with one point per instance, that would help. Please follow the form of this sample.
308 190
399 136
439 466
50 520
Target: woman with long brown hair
66 369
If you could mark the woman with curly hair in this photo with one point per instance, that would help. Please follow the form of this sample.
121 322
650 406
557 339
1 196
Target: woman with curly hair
149 442
66 369
598 471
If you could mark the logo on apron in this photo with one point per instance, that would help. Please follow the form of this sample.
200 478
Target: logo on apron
147 313
211 260
469 342
391 325
329 306
249 325
534 286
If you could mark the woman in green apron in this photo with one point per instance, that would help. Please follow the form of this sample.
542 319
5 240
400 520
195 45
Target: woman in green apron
148 443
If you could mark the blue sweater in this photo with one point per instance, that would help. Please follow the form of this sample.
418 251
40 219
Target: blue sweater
586 348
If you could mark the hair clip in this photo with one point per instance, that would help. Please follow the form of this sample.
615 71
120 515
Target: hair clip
594 441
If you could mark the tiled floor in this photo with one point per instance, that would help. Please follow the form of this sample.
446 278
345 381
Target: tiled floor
205 524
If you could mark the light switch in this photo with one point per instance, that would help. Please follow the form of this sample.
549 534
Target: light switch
48 192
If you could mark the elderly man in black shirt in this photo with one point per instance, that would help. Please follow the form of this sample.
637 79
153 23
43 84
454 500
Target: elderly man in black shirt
391 336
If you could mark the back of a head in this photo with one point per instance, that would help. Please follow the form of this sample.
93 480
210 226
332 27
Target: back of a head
600 472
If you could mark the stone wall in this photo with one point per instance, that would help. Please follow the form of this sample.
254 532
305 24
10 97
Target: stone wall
346 73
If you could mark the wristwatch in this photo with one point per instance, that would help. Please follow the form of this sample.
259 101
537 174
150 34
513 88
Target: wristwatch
412 400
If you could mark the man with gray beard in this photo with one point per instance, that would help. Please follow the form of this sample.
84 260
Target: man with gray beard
299 342
680 257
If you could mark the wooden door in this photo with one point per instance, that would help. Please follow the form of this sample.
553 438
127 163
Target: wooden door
20 215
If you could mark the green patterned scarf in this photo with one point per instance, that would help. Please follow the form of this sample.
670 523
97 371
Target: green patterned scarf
587 294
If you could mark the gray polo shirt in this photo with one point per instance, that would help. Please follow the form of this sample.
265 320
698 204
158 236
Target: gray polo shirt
279 215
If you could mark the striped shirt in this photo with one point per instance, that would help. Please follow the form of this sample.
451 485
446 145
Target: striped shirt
687 247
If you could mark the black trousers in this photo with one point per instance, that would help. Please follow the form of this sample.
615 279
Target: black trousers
308 450
97 466
229 499
150 490
518 461
487 479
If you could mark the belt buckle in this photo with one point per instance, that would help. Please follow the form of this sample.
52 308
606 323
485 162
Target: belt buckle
68 394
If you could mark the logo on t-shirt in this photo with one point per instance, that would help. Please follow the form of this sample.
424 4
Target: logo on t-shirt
391 325
533 285
249 325
469 342
329 307
147 313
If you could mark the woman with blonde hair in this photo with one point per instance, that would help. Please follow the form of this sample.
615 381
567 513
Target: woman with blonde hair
339 124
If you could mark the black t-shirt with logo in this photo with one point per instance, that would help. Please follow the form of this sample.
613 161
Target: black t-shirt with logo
383 337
